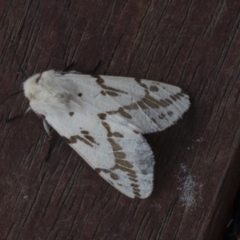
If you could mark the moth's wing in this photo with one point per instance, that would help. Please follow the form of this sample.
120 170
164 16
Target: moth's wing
103 118
118 153
148 106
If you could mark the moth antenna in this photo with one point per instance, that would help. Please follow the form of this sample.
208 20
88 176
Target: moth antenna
14 54
69 67
21 91
13 94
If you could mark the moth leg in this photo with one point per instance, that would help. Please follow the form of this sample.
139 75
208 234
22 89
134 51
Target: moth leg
28 109
46 127
67 68
95 68
18 116
91 72
52 143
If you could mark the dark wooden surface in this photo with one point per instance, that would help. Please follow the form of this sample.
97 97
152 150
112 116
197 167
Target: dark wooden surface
192 44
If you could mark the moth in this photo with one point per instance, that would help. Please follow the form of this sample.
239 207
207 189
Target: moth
103 118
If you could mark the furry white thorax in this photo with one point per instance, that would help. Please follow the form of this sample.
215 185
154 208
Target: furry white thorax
45 90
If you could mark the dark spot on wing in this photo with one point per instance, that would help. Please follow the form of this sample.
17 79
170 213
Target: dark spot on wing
109 132
88 141
154 89
121 111
124 163
115 147
162 116
135 131
114 176
111 91
102 116
132 106
153 120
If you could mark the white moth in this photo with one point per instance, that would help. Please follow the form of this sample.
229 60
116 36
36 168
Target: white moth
103 118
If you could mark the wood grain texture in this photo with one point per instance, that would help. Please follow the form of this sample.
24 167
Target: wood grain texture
192 44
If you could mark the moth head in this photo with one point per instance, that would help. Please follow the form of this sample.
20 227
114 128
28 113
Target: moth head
34 84
30 86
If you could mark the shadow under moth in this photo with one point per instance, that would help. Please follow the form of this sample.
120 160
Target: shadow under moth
103 118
